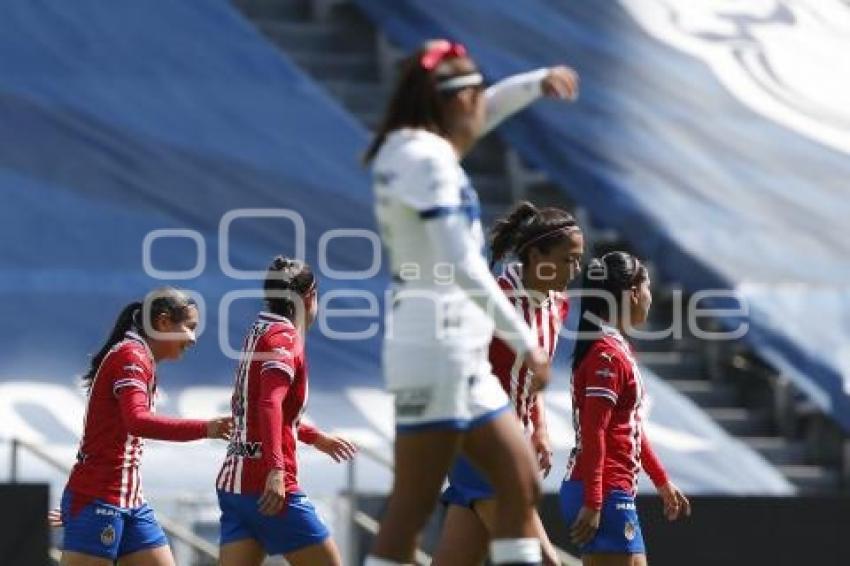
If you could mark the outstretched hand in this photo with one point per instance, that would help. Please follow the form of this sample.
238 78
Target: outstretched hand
336 447
675 502
562 83
220 428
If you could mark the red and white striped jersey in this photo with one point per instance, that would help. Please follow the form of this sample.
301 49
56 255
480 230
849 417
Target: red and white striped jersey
608 372
273 350
108 459
545 320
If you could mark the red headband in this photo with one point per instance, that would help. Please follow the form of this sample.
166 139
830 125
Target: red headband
440 50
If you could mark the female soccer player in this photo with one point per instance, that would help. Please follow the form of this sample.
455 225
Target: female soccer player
446 302
548 244
263 511
598 493
103 510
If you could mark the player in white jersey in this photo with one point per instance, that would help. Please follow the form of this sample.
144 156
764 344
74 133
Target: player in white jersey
446 303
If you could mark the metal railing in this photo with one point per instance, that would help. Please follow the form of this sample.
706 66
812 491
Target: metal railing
171 527
358 518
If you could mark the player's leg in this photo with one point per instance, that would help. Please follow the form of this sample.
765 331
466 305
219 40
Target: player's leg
245 552
71 558
159 556
463 539
324 553
143 542
485 509
422 459
498 448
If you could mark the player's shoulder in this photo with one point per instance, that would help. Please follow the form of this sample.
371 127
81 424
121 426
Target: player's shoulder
605 351
279 331
132 349
415 152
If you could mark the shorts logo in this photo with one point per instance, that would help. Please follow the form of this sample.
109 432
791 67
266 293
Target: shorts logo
626 507
412 402
629 531
105 511
107 535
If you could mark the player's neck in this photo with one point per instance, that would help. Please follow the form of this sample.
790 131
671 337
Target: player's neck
539 290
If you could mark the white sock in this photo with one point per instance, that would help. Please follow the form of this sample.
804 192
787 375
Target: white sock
516 551
374 561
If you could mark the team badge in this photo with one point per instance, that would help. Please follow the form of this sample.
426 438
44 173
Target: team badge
630 531
107 535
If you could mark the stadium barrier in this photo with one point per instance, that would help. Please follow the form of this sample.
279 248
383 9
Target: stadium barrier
23 525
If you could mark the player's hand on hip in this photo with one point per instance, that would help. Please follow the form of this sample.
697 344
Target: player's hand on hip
543 449
562 83
272 500
537 362
220 428
675 502
585 526
337 447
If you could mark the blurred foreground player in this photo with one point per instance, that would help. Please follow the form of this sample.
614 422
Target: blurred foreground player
598 493
103 510
263 511
446 303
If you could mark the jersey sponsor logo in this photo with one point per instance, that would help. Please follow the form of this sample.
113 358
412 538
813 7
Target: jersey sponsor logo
629 531
604 372
253 450
413 402
107 535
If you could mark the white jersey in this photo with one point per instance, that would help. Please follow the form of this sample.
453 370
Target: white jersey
429 217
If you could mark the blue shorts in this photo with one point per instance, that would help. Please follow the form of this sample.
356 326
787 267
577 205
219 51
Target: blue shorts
466 485
619 528
108 531
297 526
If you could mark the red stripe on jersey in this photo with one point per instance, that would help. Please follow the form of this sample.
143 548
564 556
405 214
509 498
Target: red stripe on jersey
545 319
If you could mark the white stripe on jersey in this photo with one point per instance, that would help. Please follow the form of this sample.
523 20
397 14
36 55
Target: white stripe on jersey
126 470
244 370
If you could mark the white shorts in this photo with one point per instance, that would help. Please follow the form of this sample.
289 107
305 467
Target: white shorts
439 386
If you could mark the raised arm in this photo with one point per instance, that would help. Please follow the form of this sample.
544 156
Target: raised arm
514 93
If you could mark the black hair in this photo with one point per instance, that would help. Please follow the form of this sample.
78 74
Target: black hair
165 300
415 102
284 277
527 227
614 274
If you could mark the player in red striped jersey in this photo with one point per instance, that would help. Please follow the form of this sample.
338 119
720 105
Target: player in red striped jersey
103 510
546 246
598 493
264 512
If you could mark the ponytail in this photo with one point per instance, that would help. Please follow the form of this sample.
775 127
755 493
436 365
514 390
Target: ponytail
503 236
127 320
286 276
